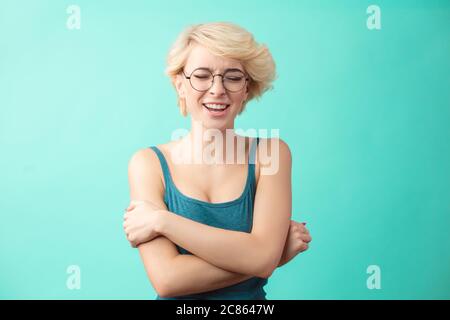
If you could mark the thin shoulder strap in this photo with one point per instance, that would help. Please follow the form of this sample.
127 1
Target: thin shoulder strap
164 166
252 157
251 179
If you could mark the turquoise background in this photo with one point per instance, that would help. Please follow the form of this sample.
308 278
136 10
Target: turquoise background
366 114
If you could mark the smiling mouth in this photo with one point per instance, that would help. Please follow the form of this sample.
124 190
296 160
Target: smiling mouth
216 108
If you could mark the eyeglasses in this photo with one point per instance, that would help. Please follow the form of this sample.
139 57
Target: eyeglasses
202 79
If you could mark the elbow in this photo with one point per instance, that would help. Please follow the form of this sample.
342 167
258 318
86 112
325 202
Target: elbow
167 287
163 289
266 273
163 285
267 268
269 259
163 293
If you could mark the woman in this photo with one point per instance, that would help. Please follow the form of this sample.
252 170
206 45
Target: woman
209 226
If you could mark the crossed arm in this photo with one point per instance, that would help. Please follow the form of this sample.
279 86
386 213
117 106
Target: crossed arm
215 262
173 274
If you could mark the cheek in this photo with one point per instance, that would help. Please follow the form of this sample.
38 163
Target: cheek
193 101
195 96
238 99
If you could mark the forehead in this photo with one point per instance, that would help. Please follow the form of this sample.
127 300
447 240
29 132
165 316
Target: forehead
201 57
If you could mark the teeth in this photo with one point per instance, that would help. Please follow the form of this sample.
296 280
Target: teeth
216 106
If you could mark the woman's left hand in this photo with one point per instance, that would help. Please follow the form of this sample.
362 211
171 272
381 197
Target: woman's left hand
297 241
141 222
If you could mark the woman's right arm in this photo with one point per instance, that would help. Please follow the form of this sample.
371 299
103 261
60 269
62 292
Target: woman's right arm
171 273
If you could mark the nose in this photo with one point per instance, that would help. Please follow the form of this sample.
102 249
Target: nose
217 86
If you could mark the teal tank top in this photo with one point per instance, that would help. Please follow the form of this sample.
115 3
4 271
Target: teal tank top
234 215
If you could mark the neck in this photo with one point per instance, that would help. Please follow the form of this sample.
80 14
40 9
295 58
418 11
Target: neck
213 146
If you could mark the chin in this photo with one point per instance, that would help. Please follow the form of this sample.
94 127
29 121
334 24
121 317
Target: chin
216 124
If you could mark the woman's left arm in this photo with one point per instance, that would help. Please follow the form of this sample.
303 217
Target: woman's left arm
257 253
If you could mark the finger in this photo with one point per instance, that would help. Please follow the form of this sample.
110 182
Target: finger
296 226
137 244
306 238
299 228
304 230
303 227
300 224
303 235
126 226
127 215
298 235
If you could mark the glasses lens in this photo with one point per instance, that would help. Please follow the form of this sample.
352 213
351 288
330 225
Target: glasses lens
201 80
234 80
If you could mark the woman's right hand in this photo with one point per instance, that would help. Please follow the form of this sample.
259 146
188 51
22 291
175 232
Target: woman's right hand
297 241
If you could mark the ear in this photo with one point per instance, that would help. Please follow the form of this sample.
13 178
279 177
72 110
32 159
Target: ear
246 92
179 86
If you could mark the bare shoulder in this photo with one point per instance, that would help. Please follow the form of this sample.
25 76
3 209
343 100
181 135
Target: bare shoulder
147 159
145 176
143 161
272 150
272 153
283 149
275 145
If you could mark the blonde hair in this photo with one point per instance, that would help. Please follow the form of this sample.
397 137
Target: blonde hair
227 40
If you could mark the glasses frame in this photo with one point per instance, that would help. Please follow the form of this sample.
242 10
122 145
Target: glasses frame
214 77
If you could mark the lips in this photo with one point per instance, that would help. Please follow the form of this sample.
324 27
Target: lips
215 109
216 106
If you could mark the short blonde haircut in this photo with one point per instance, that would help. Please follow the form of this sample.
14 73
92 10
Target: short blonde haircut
227 40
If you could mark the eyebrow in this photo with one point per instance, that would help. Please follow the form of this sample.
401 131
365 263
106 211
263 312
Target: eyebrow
226 70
